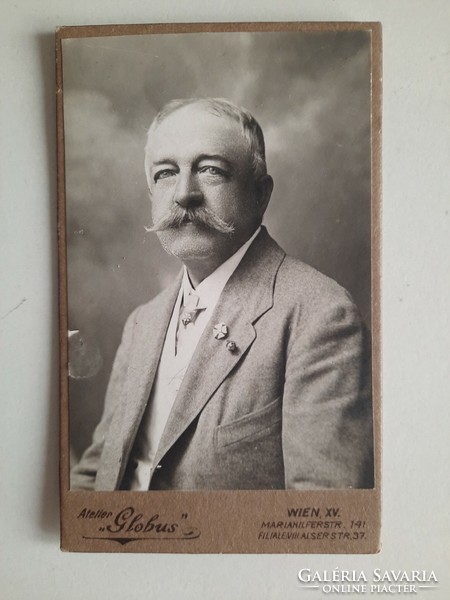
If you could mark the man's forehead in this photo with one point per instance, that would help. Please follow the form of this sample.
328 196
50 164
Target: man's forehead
198 113
194 126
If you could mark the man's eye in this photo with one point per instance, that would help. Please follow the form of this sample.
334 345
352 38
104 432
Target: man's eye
212 171
163 174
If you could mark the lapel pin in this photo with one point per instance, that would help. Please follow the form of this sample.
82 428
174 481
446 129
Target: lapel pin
186 319
220 331
231 346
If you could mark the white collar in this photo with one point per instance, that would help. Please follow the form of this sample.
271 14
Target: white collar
211 287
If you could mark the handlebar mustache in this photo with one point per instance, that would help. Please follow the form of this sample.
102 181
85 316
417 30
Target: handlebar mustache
198 216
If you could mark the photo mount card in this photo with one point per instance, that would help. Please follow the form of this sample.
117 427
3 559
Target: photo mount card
238 164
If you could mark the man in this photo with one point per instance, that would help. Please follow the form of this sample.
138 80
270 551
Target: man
251 371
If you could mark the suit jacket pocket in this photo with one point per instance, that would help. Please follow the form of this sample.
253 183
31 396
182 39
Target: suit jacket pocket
248 427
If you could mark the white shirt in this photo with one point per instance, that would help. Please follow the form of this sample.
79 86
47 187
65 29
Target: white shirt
179 346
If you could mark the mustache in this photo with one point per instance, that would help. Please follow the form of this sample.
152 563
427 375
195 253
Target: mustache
198 216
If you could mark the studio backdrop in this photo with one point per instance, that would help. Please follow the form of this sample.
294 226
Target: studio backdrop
310 92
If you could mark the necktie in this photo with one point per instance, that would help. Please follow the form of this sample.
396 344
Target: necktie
191 309
188 334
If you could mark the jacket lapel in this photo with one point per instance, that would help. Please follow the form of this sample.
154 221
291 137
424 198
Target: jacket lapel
247 295
149 338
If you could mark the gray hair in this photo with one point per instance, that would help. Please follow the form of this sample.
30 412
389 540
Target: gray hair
250 127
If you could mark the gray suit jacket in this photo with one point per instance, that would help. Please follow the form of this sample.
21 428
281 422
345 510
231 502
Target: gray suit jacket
290 408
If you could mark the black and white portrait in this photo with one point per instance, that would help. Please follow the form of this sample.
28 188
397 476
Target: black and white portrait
218 202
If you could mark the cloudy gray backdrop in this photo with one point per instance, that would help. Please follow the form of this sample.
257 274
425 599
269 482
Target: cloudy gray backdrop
311 94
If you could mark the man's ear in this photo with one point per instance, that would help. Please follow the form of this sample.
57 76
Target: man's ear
264 187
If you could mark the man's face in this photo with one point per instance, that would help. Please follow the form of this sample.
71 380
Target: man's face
196 160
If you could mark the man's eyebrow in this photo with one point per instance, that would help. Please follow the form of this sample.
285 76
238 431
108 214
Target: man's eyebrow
201 158
163 161
217 157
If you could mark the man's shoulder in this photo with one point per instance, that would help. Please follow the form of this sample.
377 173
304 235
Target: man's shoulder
167 294
164 298
294 279
301 283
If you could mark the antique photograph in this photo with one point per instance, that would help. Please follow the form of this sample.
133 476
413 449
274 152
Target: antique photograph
224 321
244 362
218 213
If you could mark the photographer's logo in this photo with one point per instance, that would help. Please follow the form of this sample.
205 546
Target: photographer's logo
379 581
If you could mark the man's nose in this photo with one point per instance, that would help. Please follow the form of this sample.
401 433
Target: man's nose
187 191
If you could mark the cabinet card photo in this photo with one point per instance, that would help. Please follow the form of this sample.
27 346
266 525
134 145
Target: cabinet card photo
219 194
